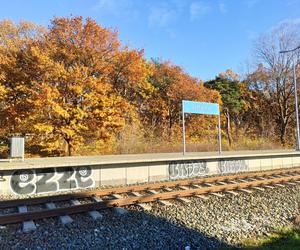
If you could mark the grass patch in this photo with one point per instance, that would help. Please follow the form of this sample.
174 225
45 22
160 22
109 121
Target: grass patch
282 239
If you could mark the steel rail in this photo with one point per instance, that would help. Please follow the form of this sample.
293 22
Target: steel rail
74 209
143 187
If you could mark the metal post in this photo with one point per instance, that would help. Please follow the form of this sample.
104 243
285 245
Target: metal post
183 130
219 134
296 95
296 107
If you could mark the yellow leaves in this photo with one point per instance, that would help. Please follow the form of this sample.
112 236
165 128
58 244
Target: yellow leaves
130 75
59 111
40 58
44 128
3 90
68 132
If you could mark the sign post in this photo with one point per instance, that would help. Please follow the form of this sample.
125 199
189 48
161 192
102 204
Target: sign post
183 128
203 108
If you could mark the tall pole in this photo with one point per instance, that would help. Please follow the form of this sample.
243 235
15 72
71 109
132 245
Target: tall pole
183 131
296 96
296 107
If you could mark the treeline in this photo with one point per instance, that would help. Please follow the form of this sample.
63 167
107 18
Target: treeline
73 88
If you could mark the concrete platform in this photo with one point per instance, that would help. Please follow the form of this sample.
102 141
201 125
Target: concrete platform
49 175
135 158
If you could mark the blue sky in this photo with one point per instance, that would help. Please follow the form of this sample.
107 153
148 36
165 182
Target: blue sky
205 37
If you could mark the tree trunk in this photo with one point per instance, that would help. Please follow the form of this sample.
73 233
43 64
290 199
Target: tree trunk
170 119
69 147
283 133
228 127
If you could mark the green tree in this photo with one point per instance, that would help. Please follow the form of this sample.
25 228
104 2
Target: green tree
228 85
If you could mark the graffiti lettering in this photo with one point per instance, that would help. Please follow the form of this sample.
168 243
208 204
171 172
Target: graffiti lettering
20 182
50 180
180 170
232 166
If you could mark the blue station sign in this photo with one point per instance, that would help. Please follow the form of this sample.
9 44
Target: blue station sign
204 108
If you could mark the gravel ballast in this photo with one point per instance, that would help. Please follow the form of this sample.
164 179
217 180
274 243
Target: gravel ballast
199 224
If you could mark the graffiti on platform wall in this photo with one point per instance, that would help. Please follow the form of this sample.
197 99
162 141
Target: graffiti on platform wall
232 166
29 181
186 169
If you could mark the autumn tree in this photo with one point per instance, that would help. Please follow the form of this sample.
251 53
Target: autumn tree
17 90
129 79
258 115
79 104
129 76
173 86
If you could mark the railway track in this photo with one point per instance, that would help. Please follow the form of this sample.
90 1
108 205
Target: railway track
141 194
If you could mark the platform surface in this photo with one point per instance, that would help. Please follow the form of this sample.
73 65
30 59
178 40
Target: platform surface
33 163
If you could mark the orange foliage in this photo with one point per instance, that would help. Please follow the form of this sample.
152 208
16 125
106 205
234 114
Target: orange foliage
173 85
74 85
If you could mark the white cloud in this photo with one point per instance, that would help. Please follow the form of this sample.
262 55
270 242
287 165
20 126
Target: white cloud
161 16
251 3
165 13
223 8
101 4
287 24
118 8
198 9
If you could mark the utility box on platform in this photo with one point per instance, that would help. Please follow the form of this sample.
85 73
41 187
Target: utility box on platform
17 147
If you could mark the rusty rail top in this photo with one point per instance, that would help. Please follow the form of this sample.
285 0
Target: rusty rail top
110 160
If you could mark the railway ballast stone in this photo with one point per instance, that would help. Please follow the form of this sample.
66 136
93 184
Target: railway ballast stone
200 224
65 219
28 226
120 210
95 215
